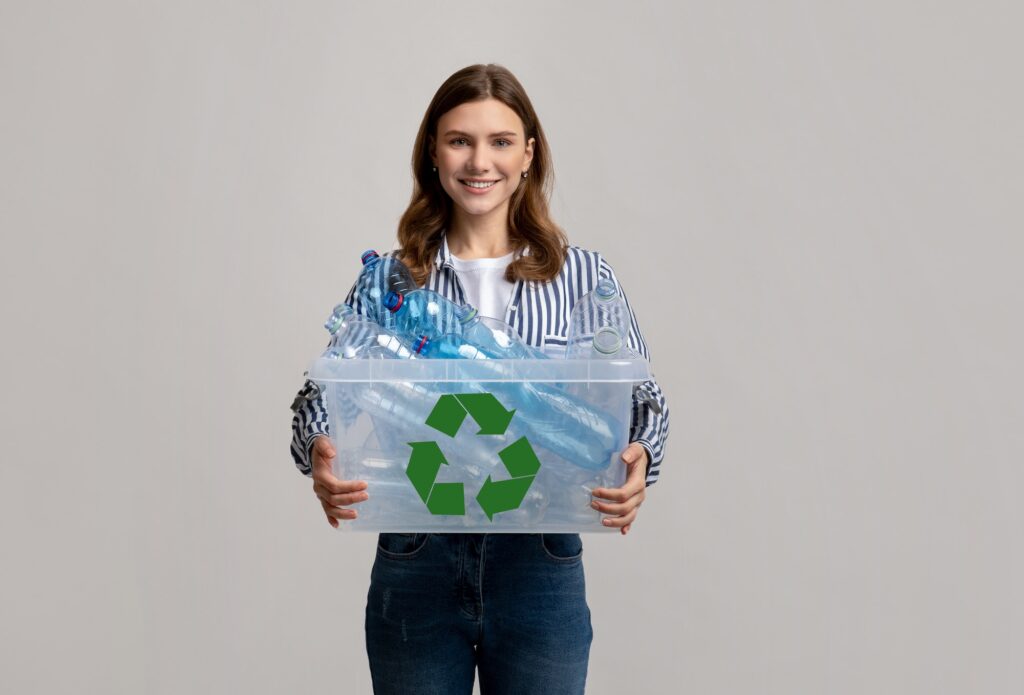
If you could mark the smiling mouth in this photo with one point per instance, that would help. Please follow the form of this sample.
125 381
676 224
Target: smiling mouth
477 184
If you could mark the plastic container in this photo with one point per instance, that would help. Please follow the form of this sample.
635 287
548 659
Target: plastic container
458 445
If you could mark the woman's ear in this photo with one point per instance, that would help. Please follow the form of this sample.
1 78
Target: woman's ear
432 149
529 153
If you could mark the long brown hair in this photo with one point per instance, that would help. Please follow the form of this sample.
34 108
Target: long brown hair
430 210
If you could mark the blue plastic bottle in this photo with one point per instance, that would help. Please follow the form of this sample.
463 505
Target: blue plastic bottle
449 347
422 312
378 277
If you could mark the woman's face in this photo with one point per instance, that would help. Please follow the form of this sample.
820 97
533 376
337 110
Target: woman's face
480 151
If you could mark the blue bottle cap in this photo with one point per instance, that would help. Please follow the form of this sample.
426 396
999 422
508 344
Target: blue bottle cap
393 301
368 256
421 344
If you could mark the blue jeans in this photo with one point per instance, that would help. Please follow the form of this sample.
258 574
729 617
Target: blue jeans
512 605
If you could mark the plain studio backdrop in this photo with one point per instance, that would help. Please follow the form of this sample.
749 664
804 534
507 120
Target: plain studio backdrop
815 210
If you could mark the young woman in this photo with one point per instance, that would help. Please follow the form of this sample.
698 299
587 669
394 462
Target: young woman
478 231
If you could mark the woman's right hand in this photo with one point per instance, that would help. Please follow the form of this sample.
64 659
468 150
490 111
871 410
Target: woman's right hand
332 492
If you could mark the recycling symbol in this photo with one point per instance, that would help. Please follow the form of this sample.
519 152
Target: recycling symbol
426 458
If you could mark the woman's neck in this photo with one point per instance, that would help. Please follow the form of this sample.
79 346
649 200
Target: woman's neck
479 238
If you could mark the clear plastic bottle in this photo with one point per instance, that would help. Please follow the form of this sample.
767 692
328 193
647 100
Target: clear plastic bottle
378 277
356 337
599 324
495 337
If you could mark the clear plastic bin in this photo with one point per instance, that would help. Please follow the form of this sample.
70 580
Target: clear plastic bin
479 446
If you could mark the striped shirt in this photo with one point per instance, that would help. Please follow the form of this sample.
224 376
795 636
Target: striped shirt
539 311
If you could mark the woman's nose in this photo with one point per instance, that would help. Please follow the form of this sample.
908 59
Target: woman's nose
479 160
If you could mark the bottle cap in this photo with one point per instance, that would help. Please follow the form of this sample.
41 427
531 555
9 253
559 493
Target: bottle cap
466 313
393 301
421 344
368 256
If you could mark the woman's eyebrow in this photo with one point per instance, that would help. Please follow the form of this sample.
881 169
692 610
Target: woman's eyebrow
503 133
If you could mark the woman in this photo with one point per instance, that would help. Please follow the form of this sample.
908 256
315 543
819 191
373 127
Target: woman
478 231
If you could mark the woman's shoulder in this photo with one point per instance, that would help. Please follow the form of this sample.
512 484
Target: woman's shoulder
591 263
574 253
581 270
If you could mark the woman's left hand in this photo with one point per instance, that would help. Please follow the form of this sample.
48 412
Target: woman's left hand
623 503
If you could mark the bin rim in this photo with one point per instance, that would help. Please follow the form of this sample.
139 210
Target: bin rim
631 370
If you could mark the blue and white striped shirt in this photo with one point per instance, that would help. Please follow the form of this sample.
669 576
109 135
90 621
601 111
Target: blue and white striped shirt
539 311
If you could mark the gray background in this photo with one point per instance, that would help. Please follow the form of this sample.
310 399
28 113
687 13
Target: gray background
815 211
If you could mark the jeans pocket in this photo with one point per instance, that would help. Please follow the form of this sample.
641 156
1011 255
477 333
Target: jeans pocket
562 547
401 546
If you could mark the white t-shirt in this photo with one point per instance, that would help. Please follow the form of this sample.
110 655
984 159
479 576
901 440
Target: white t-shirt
484 281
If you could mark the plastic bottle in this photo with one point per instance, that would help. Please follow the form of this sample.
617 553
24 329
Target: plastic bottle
599 324
570 428
481 338
422 312
356 337
495 337
448 347
378 277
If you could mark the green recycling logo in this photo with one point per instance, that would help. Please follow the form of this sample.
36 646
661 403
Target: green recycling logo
426 458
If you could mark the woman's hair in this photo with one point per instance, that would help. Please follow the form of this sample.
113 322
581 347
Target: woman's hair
430 210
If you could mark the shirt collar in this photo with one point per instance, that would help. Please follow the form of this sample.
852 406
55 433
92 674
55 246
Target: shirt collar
443 254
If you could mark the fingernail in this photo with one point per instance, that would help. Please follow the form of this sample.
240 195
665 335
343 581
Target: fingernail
594 505
606 522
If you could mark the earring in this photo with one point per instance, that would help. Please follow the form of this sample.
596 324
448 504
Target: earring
524 174
434 168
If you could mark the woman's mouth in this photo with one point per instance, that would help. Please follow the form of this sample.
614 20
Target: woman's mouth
477 187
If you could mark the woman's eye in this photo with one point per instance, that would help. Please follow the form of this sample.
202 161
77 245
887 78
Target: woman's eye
455 141
507 142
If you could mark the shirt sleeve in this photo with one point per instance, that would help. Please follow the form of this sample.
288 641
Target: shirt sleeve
650 416
309 419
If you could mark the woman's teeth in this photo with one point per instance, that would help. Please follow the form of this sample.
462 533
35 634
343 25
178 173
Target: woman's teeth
481 184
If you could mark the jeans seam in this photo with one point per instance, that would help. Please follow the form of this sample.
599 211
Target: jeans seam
480 575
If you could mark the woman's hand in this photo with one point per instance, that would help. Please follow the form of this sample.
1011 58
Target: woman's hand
624 502
334 492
